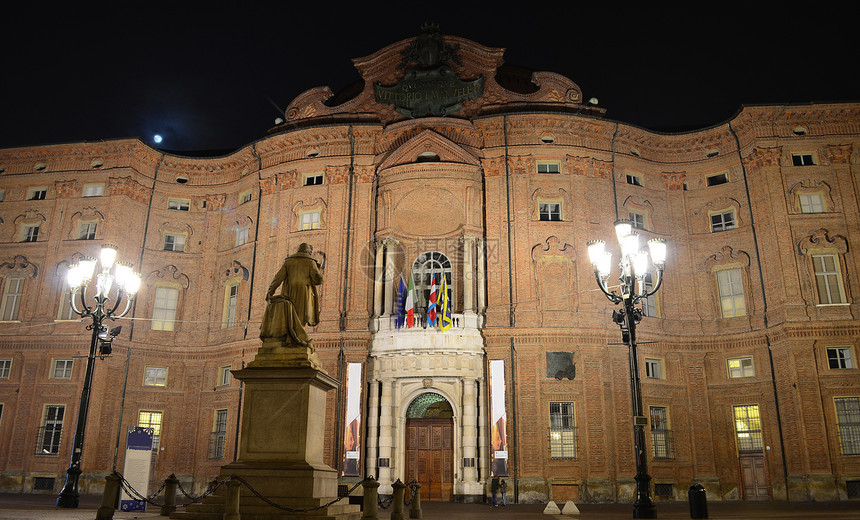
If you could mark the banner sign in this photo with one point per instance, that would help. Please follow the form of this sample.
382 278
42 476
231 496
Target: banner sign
499 418
352 436
138 460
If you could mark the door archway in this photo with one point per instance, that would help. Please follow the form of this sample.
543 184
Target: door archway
430 446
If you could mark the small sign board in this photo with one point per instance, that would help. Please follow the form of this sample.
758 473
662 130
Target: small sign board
138 459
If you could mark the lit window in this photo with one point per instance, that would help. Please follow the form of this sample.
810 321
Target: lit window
178 205
155 376
314 179
848 422
66 312
811 202
716 180
548 167
5 368
741 367
649 304
224 375
151 419
164 309
723 221
94 190
731 289
62 368
637 220
654 368
230 305
635 180
87 231
430 266
802 159
174 242
550 211
12 294
241 236
31 233
827 279
310 220
661 435
218 439
37 194
840 357
748 427
51 431
562 431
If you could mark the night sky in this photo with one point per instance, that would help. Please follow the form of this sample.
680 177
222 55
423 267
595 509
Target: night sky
215 77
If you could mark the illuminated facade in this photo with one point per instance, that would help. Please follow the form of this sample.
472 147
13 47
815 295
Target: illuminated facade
443 162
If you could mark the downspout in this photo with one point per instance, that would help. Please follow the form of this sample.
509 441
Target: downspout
348 231
256 237
121 409
614 191
764 300
239 413
143 245
511 320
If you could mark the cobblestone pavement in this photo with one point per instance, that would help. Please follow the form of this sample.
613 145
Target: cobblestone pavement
40 506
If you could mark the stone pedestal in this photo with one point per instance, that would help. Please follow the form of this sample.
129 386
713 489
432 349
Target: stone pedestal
281 445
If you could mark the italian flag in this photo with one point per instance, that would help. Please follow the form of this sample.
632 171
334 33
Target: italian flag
410 304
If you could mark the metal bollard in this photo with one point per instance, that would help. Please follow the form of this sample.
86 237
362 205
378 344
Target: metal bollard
231 507
371 498
415 506
169 506
698 501
397 502
106 510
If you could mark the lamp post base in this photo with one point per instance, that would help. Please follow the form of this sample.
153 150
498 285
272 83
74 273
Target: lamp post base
68 497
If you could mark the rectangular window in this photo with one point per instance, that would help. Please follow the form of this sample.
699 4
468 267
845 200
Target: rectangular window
51 431
2 195
310 220
230 310
12 295
550 211
155 376
151 419
848 422
87 231
178 205
840 357
649 304
654 368
224 375
827 279
62 368
65 311
548 167
245 197
174 242
635 180
314 179
723 221
802 159
562 431
716 180
94 190
661 435
218 438
164 308
5 368
811 202
748 427
637 220
731 289
31 233
741 367
37 194
241 236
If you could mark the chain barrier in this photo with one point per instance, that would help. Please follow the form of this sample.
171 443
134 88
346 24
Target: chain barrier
290 509
385 503
135 494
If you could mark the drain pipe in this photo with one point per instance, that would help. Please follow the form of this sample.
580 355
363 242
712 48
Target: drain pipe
511 322
143 244
348 229
256 238
764 300
612 175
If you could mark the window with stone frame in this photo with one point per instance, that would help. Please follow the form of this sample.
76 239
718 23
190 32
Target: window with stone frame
741 367
731 290
748 428
218 437
723 221
848 424
62 368
430 267
312 179
562 430
164 308
51 431
661 435
5 368
828 279
37 193
548 167
310 220
802 159
65 312
811 202
840 357
151 419
13 293
155 376
231 297
30 233
87 230
549 211
174 242
94 190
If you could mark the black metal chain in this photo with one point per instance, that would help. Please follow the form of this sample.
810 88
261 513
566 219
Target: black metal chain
290 509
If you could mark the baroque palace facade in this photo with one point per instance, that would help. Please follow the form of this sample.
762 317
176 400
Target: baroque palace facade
445 162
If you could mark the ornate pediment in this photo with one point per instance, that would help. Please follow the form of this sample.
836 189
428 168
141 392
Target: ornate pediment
429 142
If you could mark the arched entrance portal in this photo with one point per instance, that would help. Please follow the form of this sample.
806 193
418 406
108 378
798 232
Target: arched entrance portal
430 446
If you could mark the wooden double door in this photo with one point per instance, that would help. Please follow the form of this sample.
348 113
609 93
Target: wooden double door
430 457
753 476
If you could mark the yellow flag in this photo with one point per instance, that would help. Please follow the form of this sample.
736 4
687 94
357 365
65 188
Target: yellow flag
445 322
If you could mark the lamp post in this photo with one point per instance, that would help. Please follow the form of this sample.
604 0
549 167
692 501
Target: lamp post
127 282
634 269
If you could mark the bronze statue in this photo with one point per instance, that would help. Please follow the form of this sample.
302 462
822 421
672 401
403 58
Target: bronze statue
298 304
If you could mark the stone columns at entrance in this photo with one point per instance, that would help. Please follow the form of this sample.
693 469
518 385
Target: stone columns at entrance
470 430
372 429
483 435
386 441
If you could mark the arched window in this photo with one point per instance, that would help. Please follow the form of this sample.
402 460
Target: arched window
427 267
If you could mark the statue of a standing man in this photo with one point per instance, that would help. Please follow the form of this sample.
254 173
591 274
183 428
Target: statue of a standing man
297 305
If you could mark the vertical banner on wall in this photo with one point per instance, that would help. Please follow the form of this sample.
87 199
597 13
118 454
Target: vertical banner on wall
499 418
352 438
138 459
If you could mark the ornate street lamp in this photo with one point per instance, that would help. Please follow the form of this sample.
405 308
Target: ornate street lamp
634 270
127 282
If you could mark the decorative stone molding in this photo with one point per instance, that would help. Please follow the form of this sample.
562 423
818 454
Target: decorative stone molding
31 216
703 223
821 239
66 189
130 188
811 186
726 256
19 264
236 269
762 158
550 195
88 214
838 154
168 274
674 181
215 202
554 272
